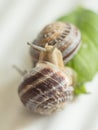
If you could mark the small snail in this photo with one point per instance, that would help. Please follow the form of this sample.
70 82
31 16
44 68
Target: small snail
49 85
65 34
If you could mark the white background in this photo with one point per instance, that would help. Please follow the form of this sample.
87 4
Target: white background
20 21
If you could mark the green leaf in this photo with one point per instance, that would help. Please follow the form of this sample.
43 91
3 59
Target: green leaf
80 89
85 62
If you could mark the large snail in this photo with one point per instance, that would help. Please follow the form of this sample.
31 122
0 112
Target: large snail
66 35
49 85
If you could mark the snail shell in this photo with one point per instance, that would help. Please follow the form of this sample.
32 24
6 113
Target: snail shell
45 89
48 86
66 35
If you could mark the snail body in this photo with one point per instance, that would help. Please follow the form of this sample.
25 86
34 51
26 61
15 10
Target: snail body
66 35
48 86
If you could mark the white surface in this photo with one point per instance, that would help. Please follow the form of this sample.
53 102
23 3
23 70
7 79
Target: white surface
20 21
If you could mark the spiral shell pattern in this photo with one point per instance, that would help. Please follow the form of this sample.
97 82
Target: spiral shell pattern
66 35
45 89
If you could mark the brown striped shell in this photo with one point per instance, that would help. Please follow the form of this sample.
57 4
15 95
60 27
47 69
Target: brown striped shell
45 89
65 34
